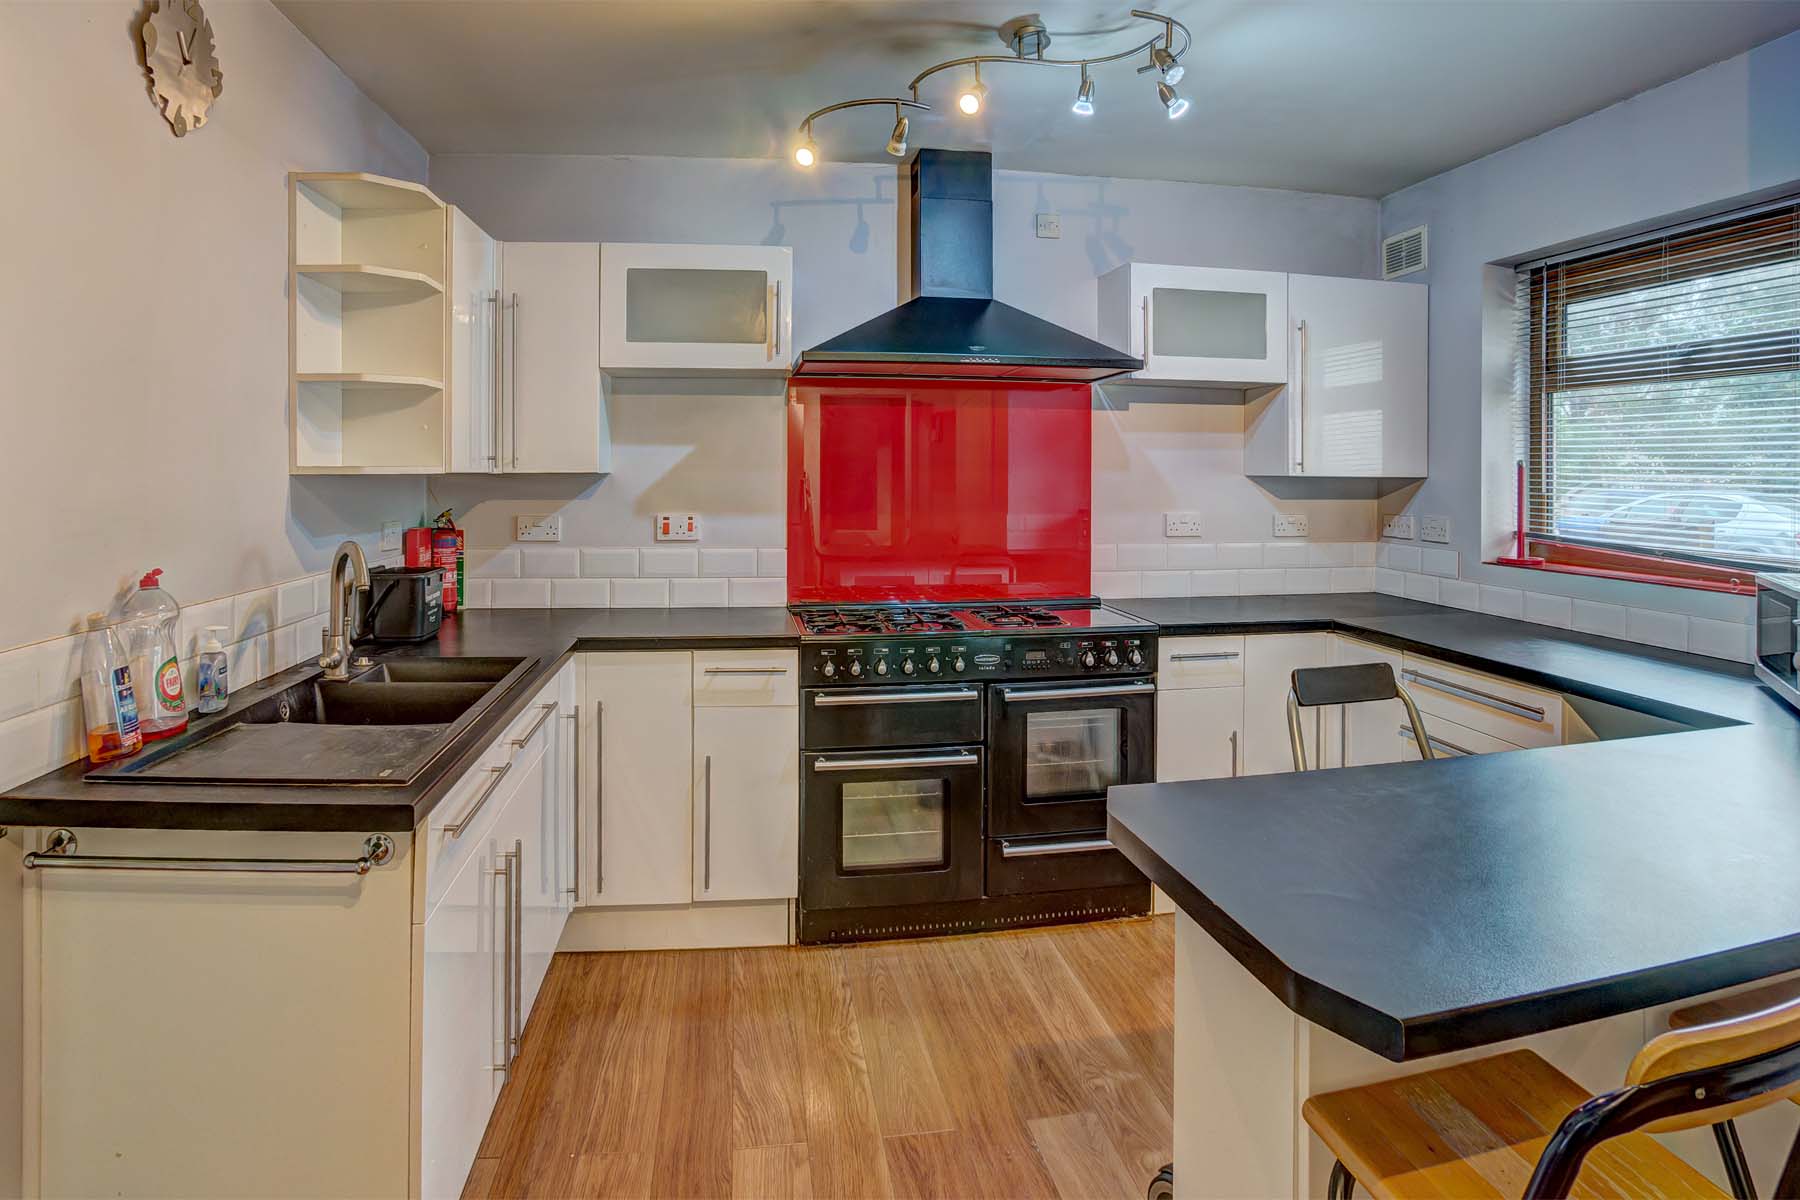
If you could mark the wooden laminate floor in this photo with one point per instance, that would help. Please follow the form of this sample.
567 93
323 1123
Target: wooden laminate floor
1026 1064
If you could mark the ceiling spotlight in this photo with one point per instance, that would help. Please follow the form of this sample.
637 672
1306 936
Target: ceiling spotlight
897 140
1167 65
974 97
1171 99
807 152
1084 99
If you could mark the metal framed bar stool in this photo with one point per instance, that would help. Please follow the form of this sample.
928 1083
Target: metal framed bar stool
1731 1150
1511 1125
1359 683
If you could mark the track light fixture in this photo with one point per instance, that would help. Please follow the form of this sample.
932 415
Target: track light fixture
1084 98
1028 39
1171 100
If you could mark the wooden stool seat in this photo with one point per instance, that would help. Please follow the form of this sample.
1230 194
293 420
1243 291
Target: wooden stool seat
1475 1131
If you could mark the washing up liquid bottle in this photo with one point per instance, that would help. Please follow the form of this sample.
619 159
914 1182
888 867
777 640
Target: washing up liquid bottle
107 701
150 629
211 684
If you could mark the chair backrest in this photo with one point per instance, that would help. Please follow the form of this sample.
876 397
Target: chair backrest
1355 683
1681 1080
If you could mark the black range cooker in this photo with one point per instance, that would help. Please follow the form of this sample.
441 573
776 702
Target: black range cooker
955 761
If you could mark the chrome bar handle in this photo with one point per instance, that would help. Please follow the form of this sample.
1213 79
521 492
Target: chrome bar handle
1076 693
1208 656
706 853
512 410
60 851
544 711
499 773
1299 422
1146 328
745 671
599 797
518 949
1234 753
497 352
1437 743
503 871
1474 695
842 699
961 759
1038 849
574 714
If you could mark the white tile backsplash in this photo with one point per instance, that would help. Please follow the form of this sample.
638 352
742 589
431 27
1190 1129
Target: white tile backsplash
1213 583
549 562
1193 556
1302 580
747 593
771 564
579 593
1459 593
669 562
699 593
728 563
1669 630
1238 555
1262 582
478 593
1363 553
491 564
1404 558
1550 610
252 614
640 593
1141 556
1104 557
1329 554
1607 620
294 601
1352 579
611 563
1390 582
1720 639
1422 587
1441 563
1117 585
1502 601
1165 583
521 593
1284 554
18 685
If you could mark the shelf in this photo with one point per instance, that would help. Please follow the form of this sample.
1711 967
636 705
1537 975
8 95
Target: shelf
354 190
351 278
358 379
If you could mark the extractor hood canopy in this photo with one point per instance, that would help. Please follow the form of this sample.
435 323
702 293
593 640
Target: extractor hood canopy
953 327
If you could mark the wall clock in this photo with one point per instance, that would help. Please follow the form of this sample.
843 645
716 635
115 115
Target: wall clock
183 64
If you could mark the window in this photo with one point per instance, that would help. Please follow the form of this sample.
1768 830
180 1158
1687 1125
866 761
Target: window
1659 389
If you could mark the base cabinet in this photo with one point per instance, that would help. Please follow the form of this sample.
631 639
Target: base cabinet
746 803
638 714
1199 733
1269 663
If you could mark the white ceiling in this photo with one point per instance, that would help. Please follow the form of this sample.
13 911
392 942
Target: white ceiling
1359 97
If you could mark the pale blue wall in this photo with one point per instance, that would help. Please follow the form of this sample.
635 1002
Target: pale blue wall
1727 132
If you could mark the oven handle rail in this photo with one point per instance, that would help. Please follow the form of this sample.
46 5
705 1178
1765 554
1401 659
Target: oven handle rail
1075 693
964 758
1037 849
845 699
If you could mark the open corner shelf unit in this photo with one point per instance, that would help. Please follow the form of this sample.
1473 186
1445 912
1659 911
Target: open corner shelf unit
367 325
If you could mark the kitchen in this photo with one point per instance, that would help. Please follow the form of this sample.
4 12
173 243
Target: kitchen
876 589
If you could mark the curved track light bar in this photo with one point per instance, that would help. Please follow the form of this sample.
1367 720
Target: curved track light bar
1167 38
807 152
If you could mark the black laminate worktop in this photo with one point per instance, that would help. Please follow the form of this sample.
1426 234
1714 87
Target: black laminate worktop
63 797
1417 908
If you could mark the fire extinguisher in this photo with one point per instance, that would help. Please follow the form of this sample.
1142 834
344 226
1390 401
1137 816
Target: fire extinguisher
447 554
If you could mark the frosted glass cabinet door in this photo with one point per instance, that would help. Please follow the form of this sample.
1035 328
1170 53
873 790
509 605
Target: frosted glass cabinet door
1358 397
694 310
1199 324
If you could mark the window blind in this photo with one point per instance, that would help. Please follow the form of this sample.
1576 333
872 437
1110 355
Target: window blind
1658 392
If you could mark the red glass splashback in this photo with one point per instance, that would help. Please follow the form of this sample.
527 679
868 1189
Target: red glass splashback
938 489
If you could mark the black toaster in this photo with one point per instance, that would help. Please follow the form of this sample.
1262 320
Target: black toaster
403 604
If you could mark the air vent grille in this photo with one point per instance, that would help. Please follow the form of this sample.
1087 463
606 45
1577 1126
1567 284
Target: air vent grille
1403 253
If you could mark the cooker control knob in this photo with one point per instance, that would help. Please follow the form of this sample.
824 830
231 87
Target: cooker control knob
906 666
1135 657
1112 658
881 666
932 665
957 663
1088 660
828 669
855 668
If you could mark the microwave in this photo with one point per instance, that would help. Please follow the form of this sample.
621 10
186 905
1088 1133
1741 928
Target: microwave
1778 634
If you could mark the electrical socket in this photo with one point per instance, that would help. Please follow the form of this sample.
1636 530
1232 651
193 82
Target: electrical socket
1400 525
1434 529
677 527
1049 225
538 529
1181 524
390 535
1290 526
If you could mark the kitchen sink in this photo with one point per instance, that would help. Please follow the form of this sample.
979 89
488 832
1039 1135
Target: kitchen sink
382 726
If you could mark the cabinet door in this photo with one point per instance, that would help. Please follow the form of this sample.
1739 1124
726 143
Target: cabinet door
746 803
676 309
474 288
1207 324
1359 734
553 417
460 1039
533 908
1199 733
638 718
1358 392
1269 660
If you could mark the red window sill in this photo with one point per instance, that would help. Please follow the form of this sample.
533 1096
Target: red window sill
1562 558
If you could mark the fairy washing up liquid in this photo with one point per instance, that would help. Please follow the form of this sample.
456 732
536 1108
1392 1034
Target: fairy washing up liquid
150 627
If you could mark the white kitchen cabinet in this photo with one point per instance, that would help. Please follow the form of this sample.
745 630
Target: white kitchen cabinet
1359 734
1448 740
1514 713
1354 406
474 383
1199 733
638 731
552 411
695 310
1198 325
1269 662
746 803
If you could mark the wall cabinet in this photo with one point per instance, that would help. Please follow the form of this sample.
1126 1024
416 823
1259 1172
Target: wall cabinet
474 383
696 310
1198 325
384 1007
1354 405
552 415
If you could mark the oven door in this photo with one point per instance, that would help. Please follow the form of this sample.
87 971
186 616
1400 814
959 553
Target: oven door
1054 749
890 827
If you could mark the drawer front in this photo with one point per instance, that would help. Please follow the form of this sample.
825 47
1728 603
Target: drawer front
746 677
1200 662
1022 865
1448 739
1514 713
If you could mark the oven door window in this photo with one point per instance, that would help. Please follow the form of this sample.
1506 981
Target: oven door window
1073 752
894 824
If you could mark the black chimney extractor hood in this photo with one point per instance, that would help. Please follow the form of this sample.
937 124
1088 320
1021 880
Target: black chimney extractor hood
953 328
